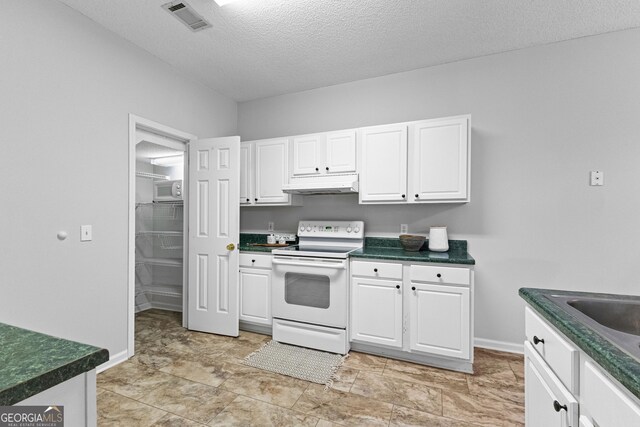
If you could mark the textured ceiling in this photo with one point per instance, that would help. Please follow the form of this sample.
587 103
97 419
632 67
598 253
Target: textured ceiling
261 48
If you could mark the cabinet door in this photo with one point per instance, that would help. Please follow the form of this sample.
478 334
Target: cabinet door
438 164
340 152
308 155
439 320
383 167
376 311
246 175
544 393
271 171
255 295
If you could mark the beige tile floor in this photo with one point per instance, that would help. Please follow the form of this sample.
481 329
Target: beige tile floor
183 378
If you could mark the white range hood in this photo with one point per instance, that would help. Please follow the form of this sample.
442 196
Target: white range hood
325 184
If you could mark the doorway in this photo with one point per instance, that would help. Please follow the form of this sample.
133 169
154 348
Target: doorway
158 240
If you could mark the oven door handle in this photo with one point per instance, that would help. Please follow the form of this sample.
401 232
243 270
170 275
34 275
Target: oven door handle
340 265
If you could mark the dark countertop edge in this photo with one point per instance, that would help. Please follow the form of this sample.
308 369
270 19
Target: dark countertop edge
393 254
415 258
616 362
40 383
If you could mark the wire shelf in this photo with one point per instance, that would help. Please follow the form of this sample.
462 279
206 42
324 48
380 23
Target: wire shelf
161 210
171 241
151 175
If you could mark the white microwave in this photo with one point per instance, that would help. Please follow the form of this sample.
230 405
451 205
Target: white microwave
167 191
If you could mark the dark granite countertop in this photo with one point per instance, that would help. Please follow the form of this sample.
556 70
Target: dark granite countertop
31 362
618 363
247 238
390 249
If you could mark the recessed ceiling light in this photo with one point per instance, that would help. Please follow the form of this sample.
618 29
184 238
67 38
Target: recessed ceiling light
224 2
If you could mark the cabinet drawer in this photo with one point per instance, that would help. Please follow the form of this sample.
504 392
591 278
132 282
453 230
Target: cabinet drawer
544 392
255 260
561 356
380 270
607 404
428 273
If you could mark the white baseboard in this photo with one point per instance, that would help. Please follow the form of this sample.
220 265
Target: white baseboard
509 347
114 360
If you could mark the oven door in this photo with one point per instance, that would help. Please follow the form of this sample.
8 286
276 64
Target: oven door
311 290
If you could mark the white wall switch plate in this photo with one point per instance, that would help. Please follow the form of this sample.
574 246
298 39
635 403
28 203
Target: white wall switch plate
270 226
597 178
86 233
404 228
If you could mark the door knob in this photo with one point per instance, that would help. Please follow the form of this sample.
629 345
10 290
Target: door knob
231 247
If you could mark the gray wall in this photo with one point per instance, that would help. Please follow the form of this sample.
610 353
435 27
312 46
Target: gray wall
542 118
66 90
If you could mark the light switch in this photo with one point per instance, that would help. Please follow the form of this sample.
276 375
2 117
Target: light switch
597 178
86 233
404 228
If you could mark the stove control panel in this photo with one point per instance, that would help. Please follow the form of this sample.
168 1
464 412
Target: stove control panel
335 229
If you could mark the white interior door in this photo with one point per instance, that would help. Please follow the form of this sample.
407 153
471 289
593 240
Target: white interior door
214 217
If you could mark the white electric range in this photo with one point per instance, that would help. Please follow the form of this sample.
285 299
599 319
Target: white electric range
310 285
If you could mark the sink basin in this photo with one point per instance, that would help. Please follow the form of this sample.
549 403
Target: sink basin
623 316
617 320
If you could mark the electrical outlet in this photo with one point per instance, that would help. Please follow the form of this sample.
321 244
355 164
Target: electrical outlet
270 226
597 178
404 228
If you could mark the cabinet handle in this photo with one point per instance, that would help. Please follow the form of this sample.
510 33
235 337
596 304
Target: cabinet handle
537 340
327 168
438 275
417 196
253 260
413 288
557 406
397 286
247 199
317 169
375 270
403 196
256 199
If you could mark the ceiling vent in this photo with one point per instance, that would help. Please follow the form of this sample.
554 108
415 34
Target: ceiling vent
187 15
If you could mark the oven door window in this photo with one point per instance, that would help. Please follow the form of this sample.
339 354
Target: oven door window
308 290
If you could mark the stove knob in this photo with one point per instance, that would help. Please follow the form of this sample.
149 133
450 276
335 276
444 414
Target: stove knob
302 228
348 229
308 228
357 230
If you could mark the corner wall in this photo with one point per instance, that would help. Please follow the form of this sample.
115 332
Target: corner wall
66 90
542 118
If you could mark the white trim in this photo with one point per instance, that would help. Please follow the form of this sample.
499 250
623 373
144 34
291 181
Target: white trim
113 361
137 122
509 347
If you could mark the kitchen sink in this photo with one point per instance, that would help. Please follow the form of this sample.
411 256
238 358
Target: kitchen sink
617 320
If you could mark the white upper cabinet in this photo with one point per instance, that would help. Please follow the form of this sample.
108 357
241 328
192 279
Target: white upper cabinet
438 160
383 164
324 153
308 155
340 152
272 171
246 175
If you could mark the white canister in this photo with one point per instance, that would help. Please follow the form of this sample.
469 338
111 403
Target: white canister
271 239
438 239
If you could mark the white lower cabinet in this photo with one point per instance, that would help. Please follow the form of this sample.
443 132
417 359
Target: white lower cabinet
555 376
439 320
255 288
376 311
604 403
547 402
413 309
